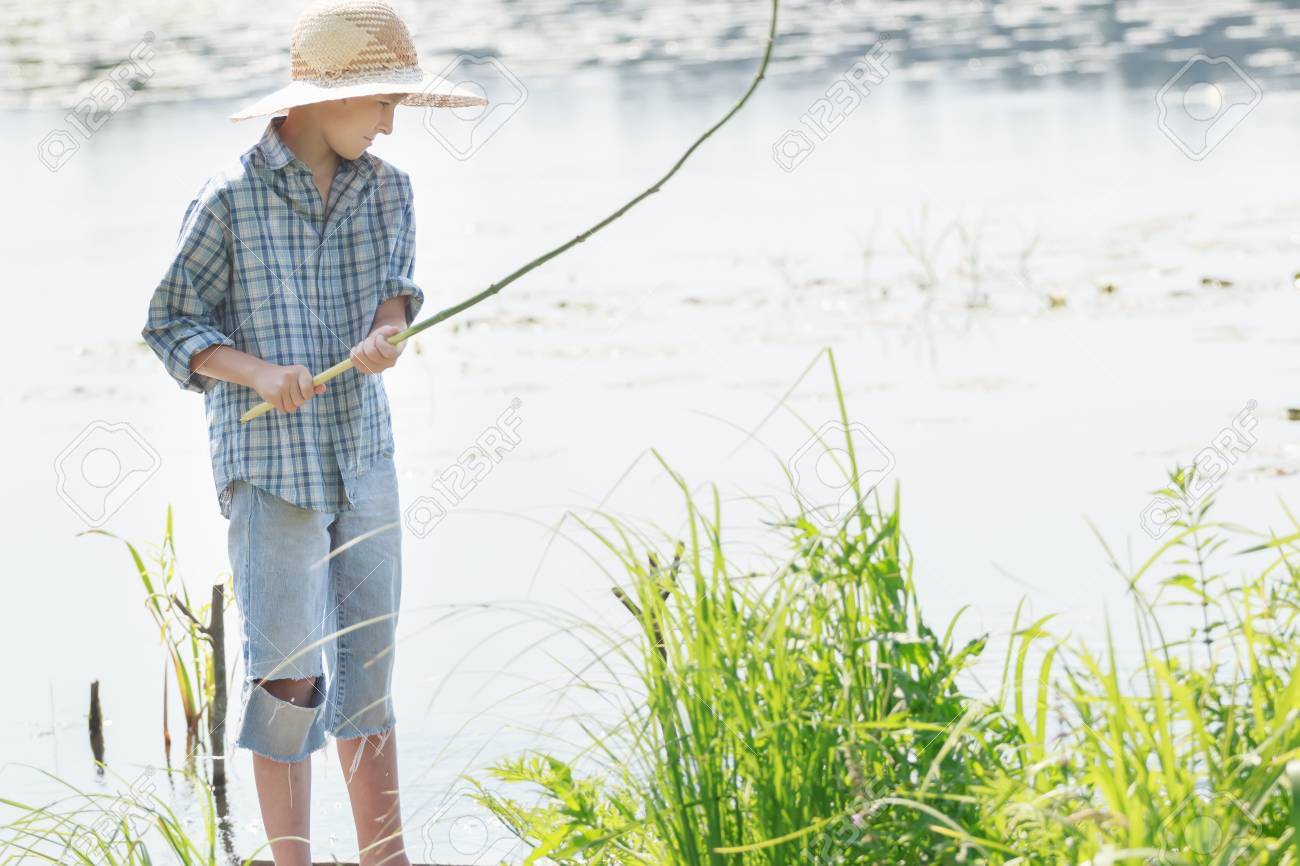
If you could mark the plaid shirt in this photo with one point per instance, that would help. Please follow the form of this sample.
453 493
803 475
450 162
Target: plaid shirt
259 266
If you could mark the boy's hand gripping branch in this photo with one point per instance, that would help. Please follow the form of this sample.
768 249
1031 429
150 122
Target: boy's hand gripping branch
375 354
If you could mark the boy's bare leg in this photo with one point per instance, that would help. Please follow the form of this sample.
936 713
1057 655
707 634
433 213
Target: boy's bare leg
284 789
372 788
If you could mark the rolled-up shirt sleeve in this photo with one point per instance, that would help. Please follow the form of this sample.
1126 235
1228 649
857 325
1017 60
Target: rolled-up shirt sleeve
181 319
401 261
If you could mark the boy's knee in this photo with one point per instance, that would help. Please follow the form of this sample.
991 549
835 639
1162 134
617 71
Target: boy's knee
295 691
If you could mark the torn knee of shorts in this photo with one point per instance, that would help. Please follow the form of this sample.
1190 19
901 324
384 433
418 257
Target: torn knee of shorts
278 728
306 692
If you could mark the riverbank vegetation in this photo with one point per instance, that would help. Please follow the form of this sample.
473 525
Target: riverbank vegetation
811 714
807 713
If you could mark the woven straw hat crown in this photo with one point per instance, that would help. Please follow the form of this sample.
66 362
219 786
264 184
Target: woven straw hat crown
343 48
334 40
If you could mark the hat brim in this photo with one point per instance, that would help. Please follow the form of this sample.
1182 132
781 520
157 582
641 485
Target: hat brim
432 91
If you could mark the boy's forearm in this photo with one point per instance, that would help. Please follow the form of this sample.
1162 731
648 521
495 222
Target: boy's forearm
228 364
391 312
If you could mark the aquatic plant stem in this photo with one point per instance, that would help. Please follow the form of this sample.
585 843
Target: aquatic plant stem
344 366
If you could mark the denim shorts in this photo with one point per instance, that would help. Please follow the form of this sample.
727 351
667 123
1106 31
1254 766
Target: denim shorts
300 614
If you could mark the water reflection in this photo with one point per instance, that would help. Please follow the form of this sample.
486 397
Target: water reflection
52 53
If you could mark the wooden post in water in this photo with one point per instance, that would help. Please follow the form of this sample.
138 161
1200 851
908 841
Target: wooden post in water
96 723
216 630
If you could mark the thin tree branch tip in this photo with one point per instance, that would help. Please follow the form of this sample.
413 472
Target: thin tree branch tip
344 366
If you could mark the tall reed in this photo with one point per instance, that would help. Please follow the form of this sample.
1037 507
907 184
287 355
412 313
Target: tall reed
1188 756
808 715
191 636
767 713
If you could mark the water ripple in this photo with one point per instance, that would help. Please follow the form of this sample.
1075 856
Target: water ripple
56 52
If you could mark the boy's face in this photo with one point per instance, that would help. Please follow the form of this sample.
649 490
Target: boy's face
351 125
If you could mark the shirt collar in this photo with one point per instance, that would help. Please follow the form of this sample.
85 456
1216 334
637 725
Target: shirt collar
275 154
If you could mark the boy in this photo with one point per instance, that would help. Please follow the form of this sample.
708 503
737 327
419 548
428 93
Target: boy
303 251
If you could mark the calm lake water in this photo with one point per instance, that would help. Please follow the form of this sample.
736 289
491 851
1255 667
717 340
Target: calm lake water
1041 292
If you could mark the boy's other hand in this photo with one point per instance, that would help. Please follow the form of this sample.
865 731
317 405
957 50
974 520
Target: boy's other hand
375 354
286 387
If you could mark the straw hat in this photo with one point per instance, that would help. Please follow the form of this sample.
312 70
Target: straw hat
345 48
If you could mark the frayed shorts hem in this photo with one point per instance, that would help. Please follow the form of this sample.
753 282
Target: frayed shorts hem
378 729
280 730
281 758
